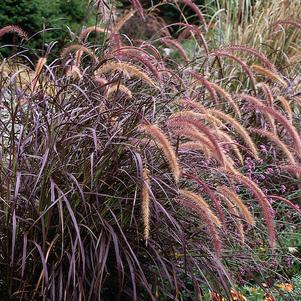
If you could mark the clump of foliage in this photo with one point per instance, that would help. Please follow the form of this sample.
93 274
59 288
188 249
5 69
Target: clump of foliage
49 21
127 174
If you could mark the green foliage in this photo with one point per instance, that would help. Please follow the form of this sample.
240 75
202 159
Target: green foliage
37 15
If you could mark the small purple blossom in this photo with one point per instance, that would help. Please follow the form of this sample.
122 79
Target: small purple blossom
263 148
269 170
282 188
288 261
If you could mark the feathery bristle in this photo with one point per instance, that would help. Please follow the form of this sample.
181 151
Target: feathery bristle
194 31
284 122
270 100
202 203
207 85
236 200
92 29
259 102
204 216
292 23
274 138
122 21
137 5
188 118
138 55
263 202
286 106
165 146
186 103
128 69
145 203
260 56
287 202
292 168
151 49
76 47
197 146
238 127
103 8
15 29
295 58
192 133
267 92
210 193
232 143
174 44
243 65
227 97
270 74
197 11
233 210
119 88
74 72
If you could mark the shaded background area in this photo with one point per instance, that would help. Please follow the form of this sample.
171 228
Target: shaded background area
35 16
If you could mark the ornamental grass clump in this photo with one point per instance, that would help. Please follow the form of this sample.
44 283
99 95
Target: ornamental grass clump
127 175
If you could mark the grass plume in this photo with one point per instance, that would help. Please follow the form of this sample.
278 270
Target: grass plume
13 29
269 74
146 204
128 69
161 139
238 127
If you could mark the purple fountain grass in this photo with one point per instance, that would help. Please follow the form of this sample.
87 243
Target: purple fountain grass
292 168
13 29
274 138
244 66
260 56
264 204
197 11
137 6
207 85
176 45
292 23
136 54
187 120
291 130
211 195
203 215
166 147
82 49
267 92
192 30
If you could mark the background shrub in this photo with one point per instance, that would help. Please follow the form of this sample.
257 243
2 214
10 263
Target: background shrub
34 16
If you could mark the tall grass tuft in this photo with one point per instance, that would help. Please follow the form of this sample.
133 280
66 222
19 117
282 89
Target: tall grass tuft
126 172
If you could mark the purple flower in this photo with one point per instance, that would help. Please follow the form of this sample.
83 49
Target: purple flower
282 188
288 261
270 170
263 148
